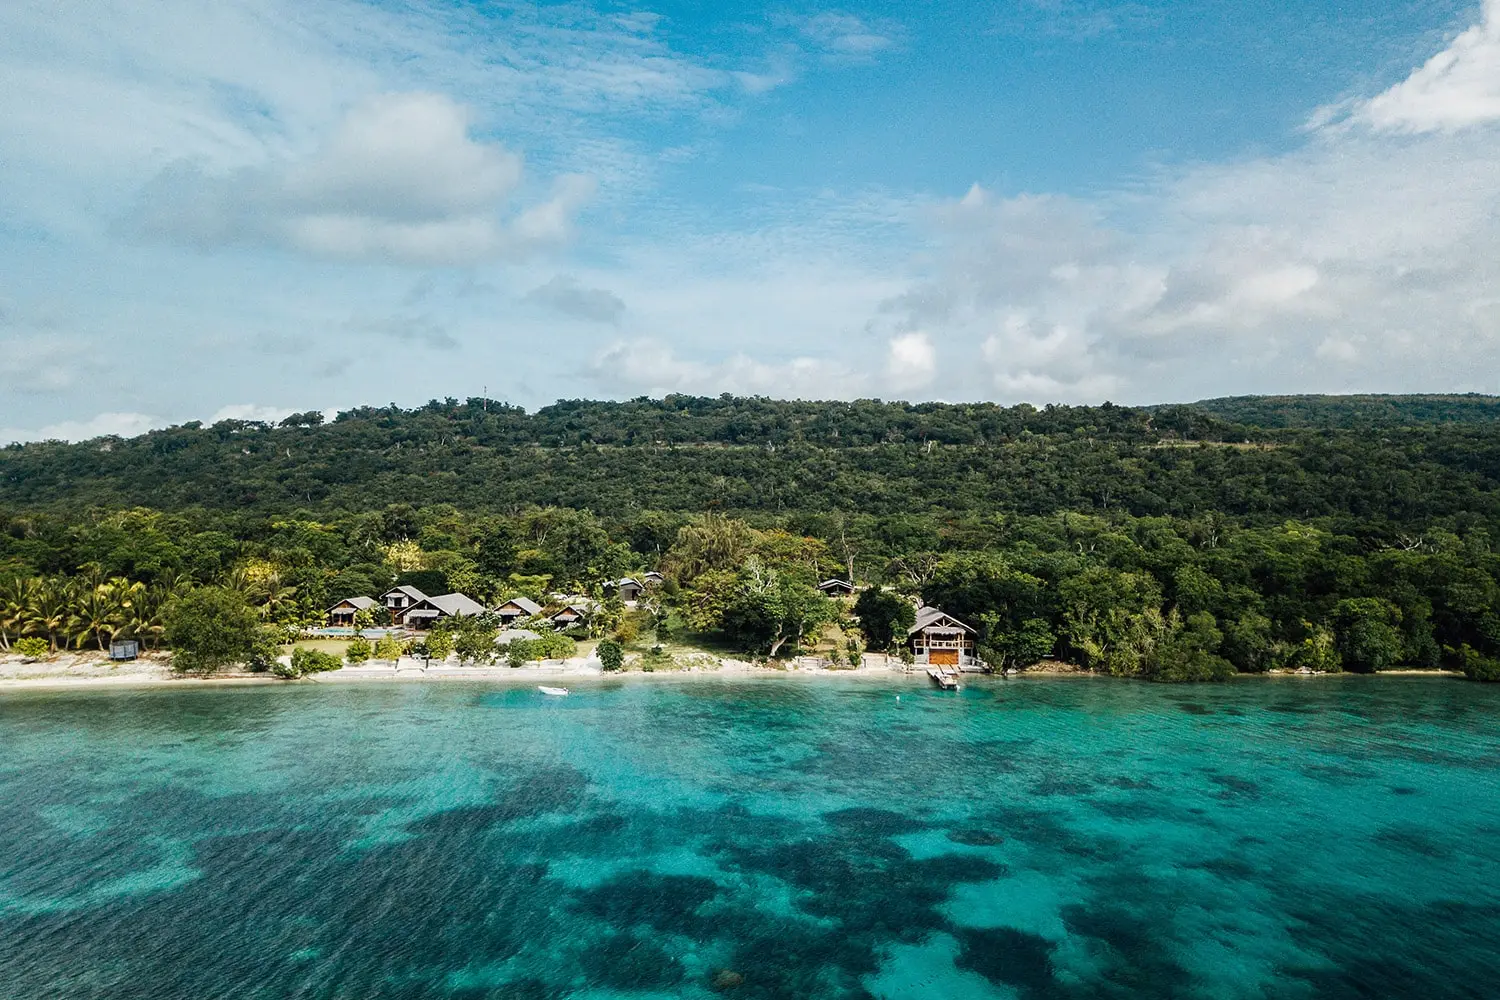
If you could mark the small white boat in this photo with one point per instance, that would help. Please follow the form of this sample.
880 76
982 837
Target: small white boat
559 692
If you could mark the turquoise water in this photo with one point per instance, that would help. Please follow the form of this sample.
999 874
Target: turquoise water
775 838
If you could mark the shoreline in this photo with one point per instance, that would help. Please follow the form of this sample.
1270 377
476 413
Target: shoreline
154 673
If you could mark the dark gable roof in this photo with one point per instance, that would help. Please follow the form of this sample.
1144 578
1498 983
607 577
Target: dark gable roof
526 604
358 603
406 589
929 617
456 604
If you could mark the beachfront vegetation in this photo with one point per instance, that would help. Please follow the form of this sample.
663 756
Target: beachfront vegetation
611 655
210 628
304 662
1170 543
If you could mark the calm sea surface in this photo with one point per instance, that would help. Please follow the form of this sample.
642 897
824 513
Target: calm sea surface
765 838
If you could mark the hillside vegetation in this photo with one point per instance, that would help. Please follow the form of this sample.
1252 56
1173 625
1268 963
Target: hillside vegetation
1173 542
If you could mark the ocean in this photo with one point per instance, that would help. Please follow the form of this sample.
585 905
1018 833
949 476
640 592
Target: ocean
753 838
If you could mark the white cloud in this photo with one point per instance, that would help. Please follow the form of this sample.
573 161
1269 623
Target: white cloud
649 367
1457 88
845 35
911 361
251 411
400 178
1337 349
564 294
38 359
1377 253
103 425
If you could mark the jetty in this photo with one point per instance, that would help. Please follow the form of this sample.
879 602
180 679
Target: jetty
945 678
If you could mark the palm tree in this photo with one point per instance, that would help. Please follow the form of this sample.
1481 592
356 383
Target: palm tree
100 611
96 614
50 608
17 595
262 587
145 614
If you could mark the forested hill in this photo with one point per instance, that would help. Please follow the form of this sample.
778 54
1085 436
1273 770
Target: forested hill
1414 460
1351 412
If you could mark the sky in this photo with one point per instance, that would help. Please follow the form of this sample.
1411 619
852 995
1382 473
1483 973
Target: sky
253 207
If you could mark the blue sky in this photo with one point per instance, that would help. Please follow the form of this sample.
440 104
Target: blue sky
258 206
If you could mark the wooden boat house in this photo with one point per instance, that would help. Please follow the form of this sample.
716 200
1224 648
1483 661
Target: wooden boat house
938 639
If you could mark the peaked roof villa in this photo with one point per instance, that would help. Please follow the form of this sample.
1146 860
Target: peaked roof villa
518 607
344 611
430 609
938 639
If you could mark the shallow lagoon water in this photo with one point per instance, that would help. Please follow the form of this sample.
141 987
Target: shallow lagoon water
763 838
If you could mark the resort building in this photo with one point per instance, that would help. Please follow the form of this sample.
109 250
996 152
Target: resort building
341 615
630 590
516 609
428 611
571 614
837 588
939 639
398 600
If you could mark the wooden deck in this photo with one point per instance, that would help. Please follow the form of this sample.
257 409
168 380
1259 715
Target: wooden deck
944 677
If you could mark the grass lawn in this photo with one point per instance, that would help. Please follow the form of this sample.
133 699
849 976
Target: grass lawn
338 647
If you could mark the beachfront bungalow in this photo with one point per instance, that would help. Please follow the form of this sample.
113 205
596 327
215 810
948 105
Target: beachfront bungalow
430 610
571 613
837 588
398 600
940 640
341 615
516 609
629 589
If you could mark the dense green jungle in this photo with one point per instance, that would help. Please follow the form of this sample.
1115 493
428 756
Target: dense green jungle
1181 542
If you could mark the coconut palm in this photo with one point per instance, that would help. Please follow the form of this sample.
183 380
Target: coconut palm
48 612
17 595
262 587
145 614
97 615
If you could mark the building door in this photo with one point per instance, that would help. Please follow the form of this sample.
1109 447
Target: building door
943 657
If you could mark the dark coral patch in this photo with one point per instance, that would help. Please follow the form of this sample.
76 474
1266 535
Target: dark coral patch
873 822
1008 957
628 962
666 903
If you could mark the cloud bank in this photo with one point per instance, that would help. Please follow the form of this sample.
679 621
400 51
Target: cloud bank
399 179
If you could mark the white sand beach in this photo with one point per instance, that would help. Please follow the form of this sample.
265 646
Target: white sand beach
84 671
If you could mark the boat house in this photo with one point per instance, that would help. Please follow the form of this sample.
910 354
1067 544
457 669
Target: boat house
939 639
342 614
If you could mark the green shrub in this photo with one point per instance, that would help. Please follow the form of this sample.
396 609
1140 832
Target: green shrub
210 628
32 648
611 655
548 646
307 661
359 650
388 648
1478 667
264 649
439 645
